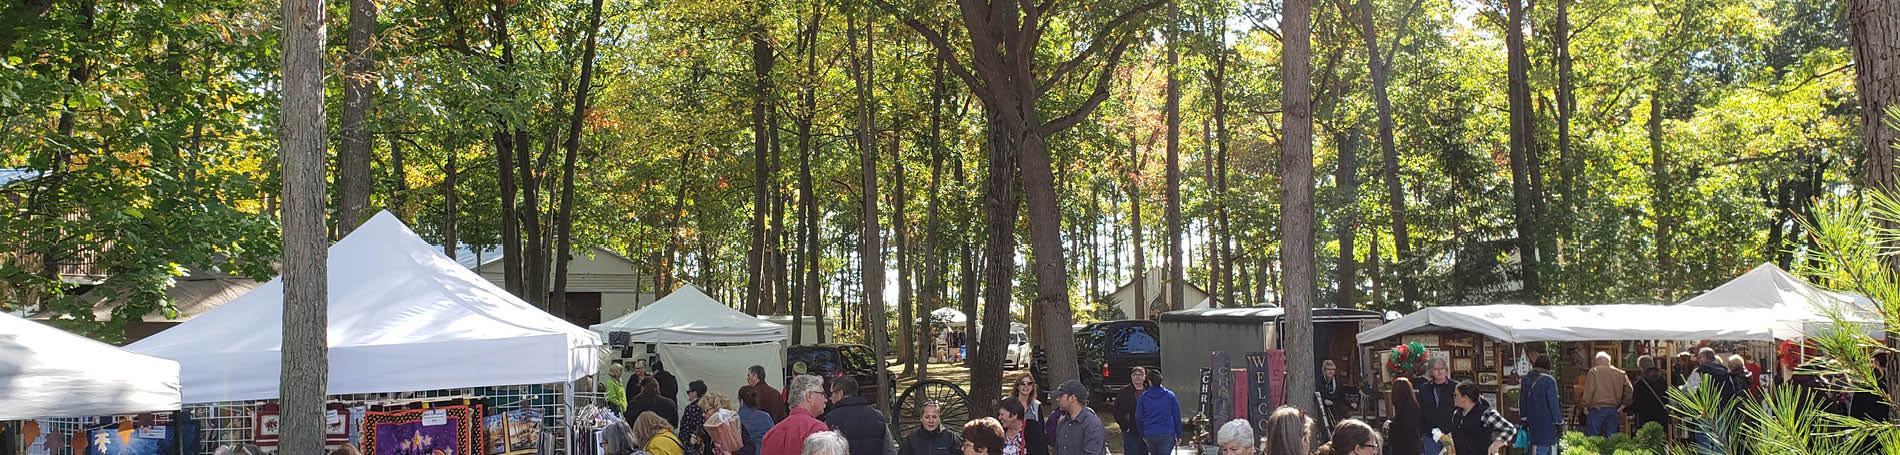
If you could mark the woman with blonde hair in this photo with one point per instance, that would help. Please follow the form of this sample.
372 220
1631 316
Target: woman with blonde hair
722 424
657 435
1288 432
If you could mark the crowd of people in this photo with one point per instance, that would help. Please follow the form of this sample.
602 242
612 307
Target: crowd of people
1432 415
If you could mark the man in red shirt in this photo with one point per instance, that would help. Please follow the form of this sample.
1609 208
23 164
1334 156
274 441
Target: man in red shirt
770 400
808 402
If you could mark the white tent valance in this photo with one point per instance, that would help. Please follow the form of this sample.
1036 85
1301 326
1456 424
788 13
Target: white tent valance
402 317
688 315
950 317
47 372
1528 323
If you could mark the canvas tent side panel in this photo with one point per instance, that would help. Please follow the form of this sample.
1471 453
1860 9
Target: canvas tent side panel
1186 347
722 367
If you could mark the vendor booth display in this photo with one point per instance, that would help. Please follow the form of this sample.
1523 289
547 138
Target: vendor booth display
697 337
408 329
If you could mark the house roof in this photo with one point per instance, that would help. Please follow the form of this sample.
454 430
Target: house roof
10 175
468 257
200 290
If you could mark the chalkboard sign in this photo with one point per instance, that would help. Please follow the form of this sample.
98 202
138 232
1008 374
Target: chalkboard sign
1207 391
1259 391
1222 387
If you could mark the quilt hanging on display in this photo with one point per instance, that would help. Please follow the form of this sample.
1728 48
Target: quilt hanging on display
516 432
443 430
125 439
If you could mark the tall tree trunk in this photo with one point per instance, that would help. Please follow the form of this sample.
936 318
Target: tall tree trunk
1660 188
534 280
1176 288
900 228
808 201
1134 208
304 374
564 226
1347 177
1212 224
505 144
1874 34
761 79
870 245
1522 194
399 196
353 180
1567 160
933 249
1001 209
1380 68
1296 186
451 204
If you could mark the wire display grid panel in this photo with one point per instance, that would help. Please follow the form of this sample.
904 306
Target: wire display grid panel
234 422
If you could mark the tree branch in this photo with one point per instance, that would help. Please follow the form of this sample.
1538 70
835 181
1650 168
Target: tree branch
944 50
1096 42
1095 99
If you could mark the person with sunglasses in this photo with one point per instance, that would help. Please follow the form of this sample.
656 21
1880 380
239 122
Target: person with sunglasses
1026 394
1352 437
808 401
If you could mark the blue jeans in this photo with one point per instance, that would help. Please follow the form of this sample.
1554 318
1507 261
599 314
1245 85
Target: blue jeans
1159 445
1132 443
1544 450
1429 446
1601 422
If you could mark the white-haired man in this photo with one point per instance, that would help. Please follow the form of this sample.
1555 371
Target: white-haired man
808 402
1606 390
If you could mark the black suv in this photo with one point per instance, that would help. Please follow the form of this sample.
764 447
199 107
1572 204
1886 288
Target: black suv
1106 351
833 360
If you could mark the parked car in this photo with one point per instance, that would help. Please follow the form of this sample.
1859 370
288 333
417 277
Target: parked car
834 360
1106 351
1020 353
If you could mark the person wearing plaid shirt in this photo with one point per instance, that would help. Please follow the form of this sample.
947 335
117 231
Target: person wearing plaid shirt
1477 428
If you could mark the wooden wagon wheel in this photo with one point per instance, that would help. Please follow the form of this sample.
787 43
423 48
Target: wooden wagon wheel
908 409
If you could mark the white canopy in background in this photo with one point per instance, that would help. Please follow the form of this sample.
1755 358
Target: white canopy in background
47 372
1528 323
1795 305
688 315
402 317
950 317
699 338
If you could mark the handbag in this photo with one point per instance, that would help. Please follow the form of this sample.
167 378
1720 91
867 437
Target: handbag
1523 439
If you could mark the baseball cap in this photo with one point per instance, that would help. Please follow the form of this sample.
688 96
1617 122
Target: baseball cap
1073 388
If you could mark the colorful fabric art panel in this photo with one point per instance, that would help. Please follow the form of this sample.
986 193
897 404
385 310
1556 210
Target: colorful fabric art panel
153 440
446 430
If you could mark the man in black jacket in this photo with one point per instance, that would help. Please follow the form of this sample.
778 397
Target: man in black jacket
858 419
669 385
1125 411
1435 405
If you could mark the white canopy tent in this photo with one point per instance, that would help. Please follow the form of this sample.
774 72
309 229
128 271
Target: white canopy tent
1796 307
1528 323
402 317
47 372
950 317
699 338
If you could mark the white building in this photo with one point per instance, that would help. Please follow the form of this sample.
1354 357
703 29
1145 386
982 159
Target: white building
601 284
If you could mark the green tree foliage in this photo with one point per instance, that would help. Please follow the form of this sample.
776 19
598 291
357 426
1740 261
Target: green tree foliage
147 134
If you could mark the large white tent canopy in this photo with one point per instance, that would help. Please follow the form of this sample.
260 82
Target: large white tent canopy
1766 303
950 317
1528 323
699 338
688 315
1797 308
402 317
47 372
